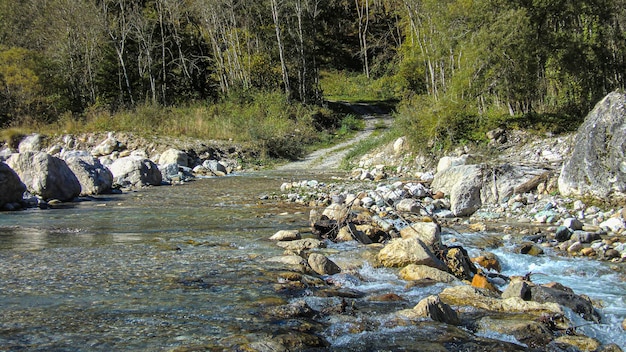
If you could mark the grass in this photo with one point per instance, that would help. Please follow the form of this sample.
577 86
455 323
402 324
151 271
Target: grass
267 122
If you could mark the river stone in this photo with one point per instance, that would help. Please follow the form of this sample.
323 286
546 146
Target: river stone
46 176
401 252
301 245
288 259
322 265
614 224
434 308
463 184
427 232
459 263
108 146
563 233
414 272
353 232
597 166
518 288
573 224
529 248
286 235
582 343
30 143
216 167
135 171
265 346
488 261
527 331
449 161
11 187
174 156
556 293
408 205
337 212
94 178
584 236
469 296
297 309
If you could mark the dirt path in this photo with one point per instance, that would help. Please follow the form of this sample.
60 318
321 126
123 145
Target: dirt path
330 158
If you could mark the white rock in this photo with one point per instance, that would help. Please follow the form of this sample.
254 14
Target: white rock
614 224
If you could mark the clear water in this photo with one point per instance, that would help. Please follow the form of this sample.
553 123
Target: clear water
184 267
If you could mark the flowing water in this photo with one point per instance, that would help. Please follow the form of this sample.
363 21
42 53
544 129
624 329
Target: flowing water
178 267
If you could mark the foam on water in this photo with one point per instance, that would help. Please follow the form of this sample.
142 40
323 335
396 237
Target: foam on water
590 277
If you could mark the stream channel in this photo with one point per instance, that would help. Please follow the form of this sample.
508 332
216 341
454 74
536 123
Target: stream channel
184 268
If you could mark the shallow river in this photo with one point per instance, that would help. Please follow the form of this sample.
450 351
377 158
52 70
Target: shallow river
183 267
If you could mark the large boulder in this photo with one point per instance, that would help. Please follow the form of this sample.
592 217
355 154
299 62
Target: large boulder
565 296
174 156
11 187
463 184
597 166
45 176
471 186
135 171
94 178
427 232
401 252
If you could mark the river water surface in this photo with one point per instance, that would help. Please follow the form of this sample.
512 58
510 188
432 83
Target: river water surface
178 267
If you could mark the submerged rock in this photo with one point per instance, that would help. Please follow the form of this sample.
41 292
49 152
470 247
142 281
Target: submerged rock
470 296
301 245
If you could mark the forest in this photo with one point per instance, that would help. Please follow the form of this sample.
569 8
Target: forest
455 67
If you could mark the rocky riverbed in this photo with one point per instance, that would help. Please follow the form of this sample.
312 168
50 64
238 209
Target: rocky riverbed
448 223
403 241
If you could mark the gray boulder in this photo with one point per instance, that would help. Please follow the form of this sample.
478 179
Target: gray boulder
463 184
597 166
46 176
471 186
94 178
215 167
134 171
11 187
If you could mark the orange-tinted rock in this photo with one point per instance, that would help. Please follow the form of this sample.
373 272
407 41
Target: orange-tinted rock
488 261
481 281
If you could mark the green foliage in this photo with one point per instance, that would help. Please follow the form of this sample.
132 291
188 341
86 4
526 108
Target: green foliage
353 87
475 65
